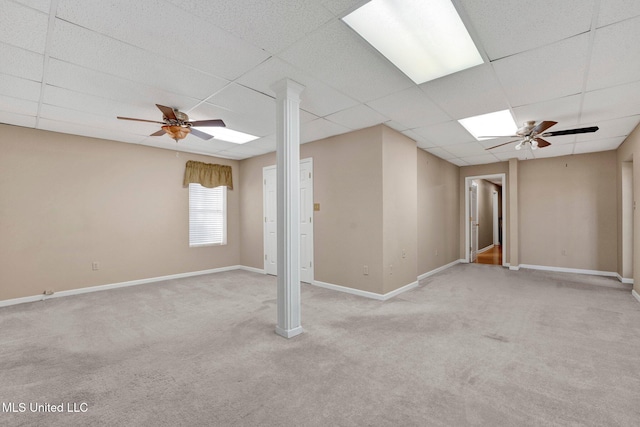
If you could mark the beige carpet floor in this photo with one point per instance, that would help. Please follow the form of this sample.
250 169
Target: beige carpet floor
473 345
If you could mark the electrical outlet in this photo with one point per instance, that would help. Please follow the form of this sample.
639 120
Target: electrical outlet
365 270
404 253
95 265
436 252
564 252
390 269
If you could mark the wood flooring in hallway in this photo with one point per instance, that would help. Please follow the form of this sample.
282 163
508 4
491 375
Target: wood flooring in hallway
493 256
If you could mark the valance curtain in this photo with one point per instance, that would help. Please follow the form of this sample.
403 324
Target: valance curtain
208 175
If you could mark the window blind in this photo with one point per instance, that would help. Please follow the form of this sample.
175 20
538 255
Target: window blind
207 215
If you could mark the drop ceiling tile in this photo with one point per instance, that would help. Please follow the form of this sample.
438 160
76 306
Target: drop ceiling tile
136 95
621 127
21 63
271 25
341 8
18 106
598 145
440 152
611 11
19 88
257 125
85 119
197 44
458 162
410 107
395 125
17 119
446 133
509 27
467 149
554 150
41 5
317 97
470 92
23 27
81 102
338 57
420 140
564 110
267 144
86 130
514 154
319 129
243 100
542 74
481 159
357 117
614 45
77 45
611 103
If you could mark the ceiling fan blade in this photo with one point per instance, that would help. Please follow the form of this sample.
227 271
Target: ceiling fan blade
167 112
542 126
200 134
208 123
497 136
158 133
542 143
500 145
571 131
140 120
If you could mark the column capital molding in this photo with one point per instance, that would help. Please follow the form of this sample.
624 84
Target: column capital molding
287 88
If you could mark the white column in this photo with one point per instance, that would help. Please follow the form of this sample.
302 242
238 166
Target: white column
288 190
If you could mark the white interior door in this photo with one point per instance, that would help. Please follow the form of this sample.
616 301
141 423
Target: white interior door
306 221
496 222
473 226
270 220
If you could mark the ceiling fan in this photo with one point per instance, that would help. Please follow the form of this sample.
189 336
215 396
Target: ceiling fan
532 134
177 125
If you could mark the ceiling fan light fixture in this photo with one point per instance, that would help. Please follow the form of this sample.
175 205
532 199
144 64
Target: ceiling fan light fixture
519 146
534 145
176 132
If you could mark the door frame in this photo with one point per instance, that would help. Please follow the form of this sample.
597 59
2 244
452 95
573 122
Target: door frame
308 160
467 240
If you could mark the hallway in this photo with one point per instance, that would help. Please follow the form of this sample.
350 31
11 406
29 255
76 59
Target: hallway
493 256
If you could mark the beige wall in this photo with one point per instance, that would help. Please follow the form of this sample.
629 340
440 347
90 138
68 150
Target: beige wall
399 207
348 227
629 151
568 211
66 201
438 216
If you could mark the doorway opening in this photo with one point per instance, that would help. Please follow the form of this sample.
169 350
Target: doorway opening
485 207
627 222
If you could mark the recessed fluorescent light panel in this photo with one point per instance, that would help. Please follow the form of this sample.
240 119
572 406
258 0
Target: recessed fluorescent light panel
229 135
495 124
425 39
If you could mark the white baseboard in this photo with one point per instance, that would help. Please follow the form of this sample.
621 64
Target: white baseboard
624 279
252 269
366 294
485 249
439 269
515 267
569 270
635 294
98 288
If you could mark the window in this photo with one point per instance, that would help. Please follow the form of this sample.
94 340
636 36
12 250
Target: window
207 215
